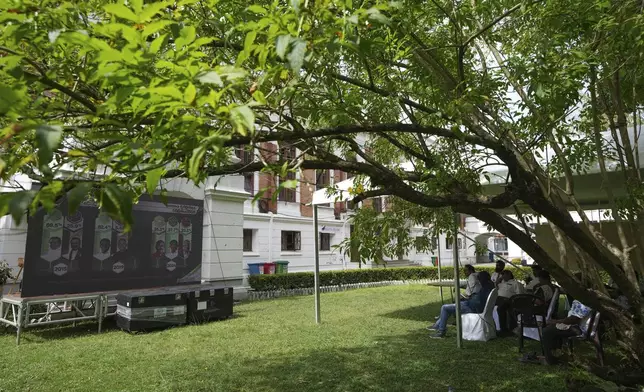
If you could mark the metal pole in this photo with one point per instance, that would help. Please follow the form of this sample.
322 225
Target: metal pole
316 238
457 284
440 279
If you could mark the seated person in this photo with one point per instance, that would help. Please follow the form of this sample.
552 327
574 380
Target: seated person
533 281
557 330
545 290
508 286
498 271
473 284
475 304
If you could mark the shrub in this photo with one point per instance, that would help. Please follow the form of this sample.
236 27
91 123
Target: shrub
5 272
300 280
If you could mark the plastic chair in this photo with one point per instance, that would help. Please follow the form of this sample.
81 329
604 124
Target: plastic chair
592 335
480 326
526 311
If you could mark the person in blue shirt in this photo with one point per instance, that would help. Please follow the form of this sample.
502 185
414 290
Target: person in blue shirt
474 304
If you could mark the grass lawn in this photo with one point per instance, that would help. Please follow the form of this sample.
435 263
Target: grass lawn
370 340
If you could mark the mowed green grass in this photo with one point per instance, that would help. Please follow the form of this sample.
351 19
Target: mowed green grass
370 340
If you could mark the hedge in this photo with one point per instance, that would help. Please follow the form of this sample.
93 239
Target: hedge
300 280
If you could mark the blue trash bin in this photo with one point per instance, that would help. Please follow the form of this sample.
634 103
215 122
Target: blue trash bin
256 268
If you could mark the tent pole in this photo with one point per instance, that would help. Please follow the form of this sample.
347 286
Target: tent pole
440 278
316 238
457 283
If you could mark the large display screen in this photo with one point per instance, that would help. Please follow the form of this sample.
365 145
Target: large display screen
88 251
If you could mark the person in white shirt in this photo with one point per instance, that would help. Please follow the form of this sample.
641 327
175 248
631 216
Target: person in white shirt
498 271
508 286
54 251
173 252
473 285
104 250
534 281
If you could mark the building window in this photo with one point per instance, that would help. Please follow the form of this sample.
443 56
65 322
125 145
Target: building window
377 205
248 240
288 194
325 241
322 179
501 244
449 243
291 240
246 157
288 153
420 243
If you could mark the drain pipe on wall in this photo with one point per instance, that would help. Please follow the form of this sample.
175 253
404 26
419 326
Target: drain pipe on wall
270 237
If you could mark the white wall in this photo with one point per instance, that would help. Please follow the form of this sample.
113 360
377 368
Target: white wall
13 239
222 235
267 235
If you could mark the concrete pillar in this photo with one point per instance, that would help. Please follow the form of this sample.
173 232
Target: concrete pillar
222 258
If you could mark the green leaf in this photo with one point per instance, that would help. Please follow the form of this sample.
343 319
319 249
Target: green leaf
194 163
155 27
167 91
152 10
290 184
259 97
243 119
190 94
17 204
117 203
249 40
137 5
210 77
48 138
258 9
231 73
540 92
281 44
296 57
121 11
47 195
187 36
77 195
376 16
158 42
152 179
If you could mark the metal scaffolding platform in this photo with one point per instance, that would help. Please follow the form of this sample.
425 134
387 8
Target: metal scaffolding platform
21 313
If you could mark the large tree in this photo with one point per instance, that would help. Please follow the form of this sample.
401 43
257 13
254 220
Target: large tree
127 94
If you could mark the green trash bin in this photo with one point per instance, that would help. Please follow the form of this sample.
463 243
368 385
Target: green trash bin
435 261
281 267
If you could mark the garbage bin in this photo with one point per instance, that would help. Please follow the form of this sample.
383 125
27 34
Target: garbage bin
435 261
256 268
269 268
281 267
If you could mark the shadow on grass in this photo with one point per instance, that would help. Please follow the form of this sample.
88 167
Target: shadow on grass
411 362
81 329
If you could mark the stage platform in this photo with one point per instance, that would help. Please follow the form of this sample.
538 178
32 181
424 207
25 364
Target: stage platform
28 312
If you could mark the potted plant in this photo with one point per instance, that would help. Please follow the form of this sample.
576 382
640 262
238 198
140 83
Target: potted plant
5 274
